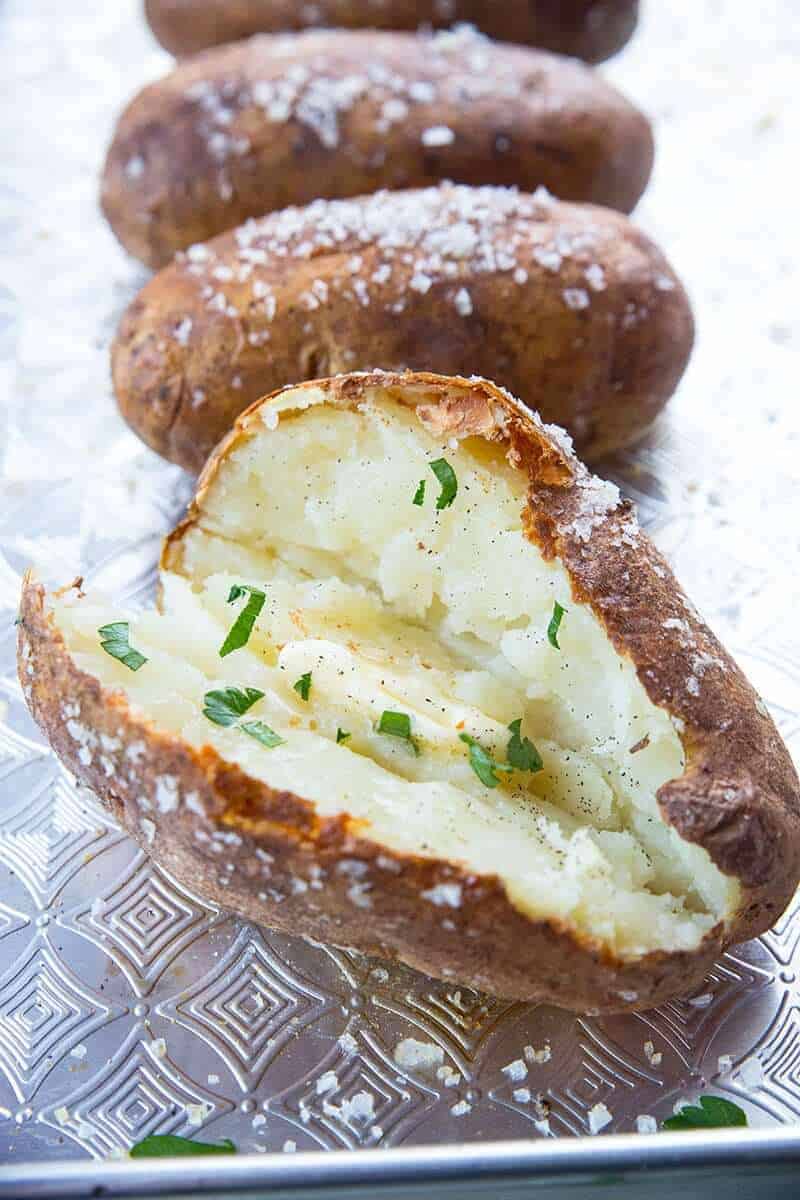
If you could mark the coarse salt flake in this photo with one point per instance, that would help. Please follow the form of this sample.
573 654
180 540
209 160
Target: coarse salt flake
394 110
576 298
438 135
442 894
532 1055
653 1056
515 1070
595 277
182 331
463 302
347 1044
328 1082
599 1118
411 1055
420 282
166 793
422 92
359 1107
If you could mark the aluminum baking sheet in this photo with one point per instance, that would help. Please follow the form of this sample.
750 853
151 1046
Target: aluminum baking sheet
128 1006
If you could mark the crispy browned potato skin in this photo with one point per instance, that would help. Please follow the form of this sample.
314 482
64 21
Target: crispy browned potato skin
175 175
739 797
604 372
590 29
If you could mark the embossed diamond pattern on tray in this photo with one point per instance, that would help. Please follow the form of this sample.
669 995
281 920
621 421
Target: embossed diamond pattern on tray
458 1019
356 1099
778 1056
11 920
143 922
127 1006
51 832
137 1094
44 1012
247 1007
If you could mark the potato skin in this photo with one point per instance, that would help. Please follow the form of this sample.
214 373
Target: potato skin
590 29
569 307
249 128
739 797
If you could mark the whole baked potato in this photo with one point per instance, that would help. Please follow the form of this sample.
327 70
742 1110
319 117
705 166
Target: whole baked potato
419 685
590 29
570 307
252 127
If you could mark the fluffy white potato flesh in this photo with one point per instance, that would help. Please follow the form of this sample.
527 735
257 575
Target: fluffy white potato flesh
441 615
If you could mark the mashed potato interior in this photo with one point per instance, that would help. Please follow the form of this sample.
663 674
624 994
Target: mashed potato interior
440 615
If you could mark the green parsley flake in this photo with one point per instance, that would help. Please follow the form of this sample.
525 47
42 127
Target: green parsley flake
303 686
225 706
447 478
341 736
170 1145
239 633
482 762
114 639
419 494
712 1113
398 725
521 752
555 625
262 733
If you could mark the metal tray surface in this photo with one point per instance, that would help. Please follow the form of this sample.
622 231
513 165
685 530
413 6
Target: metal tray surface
129 1006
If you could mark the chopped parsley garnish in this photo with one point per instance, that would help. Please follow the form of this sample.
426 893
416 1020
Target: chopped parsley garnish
262 733
712 1113
447 478
303 686
521 753
398 725
114 639
224 707
555 625
482 762
227 705
239 633
341 736
419 494
170 1145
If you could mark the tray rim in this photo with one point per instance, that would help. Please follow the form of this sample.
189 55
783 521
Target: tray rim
416 1168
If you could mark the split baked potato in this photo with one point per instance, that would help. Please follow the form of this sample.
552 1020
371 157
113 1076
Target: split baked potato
590 29
252 127
418 684
570 307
